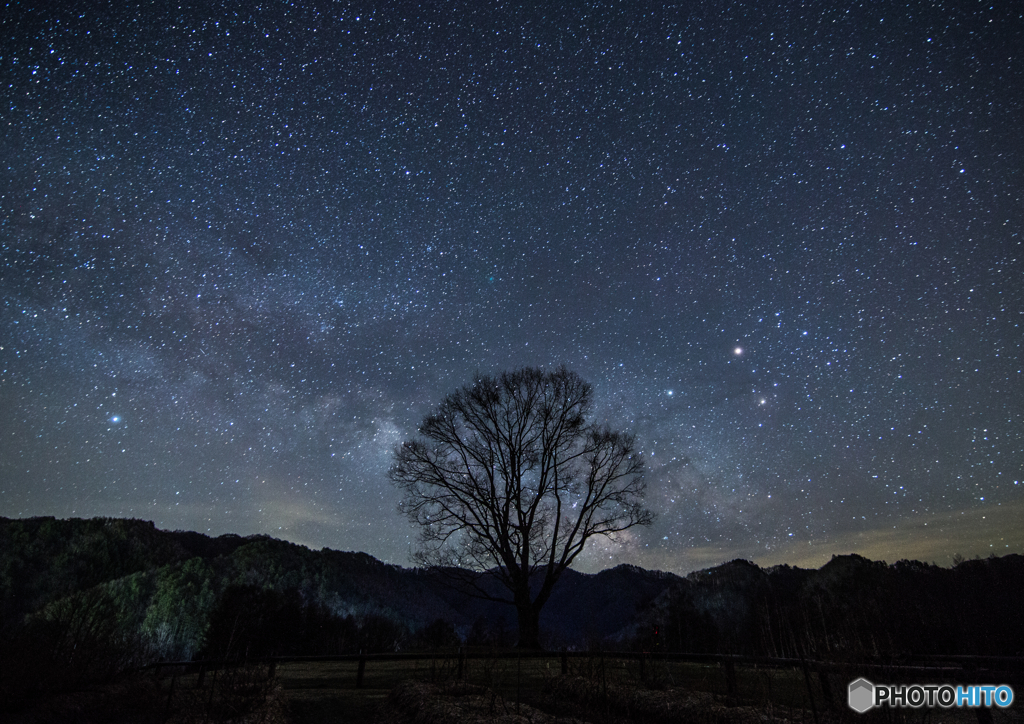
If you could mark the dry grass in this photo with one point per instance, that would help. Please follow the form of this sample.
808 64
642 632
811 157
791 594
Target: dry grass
610 703
414 702
565 700
238 695
605 689
242 695
134 699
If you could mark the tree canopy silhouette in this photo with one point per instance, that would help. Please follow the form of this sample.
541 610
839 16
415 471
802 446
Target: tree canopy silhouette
508 476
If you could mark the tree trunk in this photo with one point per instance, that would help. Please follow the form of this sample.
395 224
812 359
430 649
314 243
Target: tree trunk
529 625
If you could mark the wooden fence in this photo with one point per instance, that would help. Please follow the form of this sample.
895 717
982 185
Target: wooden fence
824 680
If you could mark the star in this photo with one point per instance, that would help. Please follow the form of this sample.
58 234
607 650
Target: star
280 254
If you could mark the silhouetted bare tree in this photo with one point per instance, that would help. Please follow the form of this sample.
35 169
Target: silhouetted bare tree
508 475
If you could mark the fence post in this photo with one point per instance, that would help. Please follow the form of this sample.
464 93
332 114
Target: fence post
519 677
213 687
462 663
604 679
170 695
273 668
826 689
361 670
565 662
202 676
643 677
730 682
810 691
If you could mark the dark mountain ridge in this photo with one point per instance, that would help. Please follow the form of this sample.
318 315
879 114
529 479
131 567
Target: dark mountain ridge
850 609
166 592
45 560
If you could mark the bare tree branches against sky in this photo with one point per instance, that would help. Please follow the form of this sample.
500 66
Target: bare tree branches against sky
508 475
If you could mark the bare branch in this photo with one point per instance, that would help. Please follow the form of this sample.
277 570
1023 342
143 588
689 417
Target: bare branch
506 476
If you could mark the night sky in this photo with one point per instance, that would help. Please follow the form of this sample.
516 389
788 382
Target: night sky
246 247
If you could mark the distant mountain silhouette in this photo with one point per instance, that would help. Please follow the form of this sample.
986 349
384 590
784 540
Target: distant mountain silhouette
171 593
851 609
44 560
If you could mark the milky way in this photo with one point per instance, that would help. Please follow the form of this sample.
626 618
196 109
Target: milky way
247 247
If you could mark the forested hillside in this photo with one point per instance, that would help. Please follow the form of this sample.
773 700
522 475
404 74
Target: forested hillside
851 609
80 585
85 599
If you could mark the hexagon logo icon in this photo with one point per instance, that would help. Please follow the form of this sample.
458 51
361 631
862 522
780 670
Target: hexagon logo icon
862 695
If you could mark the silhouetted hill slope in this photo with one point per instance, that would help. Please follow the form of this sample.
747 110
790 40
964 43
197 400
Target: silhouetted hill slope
586 609
163 589
43 559
169 582
851 608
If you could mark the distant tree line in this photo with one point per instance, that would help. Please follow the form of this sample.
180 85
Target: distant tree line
83 601
852 609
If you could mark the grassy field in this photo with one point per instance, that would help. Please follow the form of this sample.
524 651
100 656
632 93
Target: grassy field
326 691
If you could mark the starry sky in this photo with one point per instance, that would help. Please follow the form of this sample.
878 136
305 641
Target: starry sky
246 247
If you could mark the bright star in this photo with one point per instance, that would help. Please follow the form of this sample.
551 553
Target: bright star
738 350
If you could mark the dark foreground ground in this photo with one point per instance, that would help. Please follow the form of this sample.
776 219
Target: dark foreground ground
596 690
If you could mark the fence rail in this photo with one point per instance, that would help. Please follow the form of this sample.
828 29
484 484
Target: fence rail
819 677
1011 661
957 665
